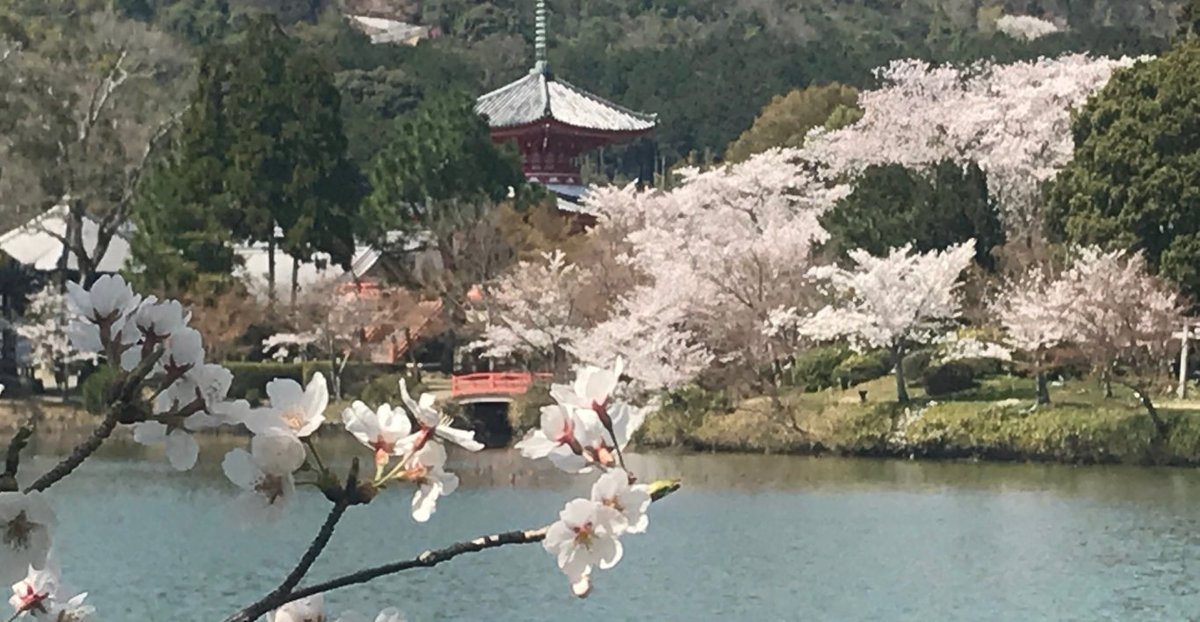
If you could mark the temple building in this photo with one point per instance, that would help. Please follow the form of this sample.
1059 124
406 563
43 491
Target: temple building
554 122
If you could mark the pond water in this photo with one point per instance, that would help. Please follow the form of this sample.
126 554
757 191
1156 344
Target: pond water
747 538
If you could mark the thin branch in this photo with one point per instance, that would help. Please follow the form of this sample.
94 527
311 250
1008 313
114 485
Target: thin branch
117 216
318 544
100 95
12 460
120 409
281 593
81 453
428 559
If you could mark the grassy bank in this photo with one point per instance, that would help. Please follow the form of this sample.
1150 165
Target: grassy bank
993 421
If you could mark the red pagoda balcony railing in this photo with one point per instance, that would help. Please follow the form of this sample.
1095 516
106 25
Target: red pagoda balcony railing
498 383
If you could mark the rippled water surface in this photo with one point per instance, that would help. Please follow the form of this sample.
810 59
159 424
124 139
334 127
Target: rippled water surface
748 538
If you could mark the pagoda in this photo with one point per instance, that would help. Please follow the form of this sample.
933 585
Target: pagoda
553 123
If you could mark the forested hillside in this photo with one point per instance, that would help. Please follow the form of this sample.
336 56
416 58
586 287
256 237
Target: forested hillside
706 66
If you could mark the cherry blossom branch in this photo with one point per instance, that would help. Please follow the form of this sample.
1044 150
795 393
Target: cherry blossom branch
428 559
79 454
322 540
12 459
120 410
342 502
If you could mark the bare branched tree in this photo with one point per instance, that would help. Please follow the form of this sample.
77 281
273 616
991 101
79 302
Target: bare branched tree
80 120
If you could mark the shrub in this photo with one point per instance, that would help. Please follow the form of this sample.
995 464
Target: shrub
95 389
864 367
983 368
948 378
524 413
1069 362
250 379
915 365
682 415
356 376
384 389
859 429
815 369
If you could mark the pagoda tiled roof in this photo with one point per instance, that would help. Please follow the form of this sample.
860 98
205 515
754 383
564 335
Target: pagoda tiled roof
539 96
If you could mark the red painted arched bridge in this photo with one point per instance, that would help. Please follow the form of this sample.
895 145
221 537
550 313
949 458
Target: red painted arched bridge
492 386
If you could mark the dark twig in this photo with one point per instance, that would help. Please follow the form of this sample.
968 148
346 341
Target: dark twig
12 460
428 559
80 453
122 399
282 593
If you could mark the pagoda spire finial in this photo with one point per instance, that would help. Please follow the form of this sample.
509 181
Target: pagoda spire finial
539 40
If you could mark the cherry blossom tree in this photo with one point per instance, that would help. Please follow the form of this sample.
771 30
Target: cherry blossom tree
1037 314
1025 27
1123 317
341 323
714 256
165 390
891 302
44 326
676 283
1013 120
533 311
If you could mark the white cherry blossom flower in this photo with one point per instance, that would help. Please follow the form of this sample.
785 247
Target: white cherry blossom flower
614 490
295 410
42 595
156 320
426 470
181 448
310 609
627 419
109 299
596 443
386 431
585 536
556 433
432 421
567 436
184 350
592 389
34 592
208 383
152 323
73 610
26 525
99 311
265 473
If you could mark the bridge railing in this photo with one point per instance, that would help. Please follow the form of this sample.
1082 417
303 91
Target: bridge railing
494 383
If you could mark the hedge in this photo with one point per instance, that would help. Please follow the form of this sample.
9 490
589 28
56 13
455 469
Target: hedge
525 411
374 383
864 367
250 379
915 365
816 368
95 389
948 378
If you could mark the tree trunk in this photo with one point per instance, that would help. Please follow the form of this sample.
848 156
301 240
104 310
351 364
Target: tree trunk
271 270
901 387
1043 391
295 280
1160 425
1106 382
